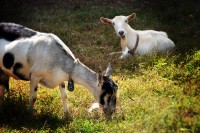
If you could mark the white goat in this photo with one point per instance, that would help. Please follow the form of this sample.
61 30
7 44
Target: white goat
43 58
136 41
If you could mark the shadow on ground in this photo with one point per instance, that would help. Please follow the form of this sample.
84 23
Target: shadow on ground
15 115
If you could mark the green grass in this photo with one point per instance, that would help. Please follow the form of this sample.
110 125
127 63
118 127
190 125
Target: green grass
156 94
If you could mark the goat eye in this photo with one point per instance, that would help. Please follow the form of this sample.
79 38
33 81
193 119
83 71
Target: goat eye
126 21
113 23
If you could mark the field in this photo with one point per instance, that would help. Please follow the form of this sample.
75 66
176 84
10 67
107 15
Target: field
158 93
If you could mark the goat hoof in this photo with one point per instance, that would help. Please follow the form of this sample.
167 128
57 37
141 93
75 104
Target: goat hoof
122 57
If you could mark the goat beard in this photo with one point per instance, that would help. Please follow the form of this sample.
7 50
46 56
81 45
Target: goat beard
123 42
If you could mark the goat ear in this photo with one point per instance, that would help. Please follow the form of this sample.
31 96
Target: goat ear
131 17
100 77
106 20
108 70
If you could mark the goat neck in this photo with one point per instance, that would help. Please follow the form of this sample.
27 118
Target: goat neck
84 76
131 38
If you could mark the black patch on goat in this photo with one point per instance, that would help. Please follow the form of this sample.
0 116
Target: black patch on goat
8 60
11 31
4 79
109 87
62 85
35 88
16 72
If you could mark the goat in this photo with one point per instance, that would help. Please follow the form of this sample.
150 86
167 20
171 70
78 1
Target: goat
137 41
43 58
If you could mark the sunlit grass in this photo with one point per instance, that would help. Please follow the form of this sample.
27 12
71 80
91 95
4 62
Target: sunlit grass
156 94
152 101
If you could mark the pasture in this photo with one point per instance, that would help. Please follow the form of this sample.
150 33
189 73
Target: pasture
158 93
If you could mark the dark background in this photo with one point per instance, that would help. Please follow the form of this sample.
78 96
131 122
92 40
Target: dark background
181 16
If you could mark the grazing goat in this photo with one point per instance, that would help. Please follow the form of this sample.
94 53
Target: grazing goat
43 58
136 41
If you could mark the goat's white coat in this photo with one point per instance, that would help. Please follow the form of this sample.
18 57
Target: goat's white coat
45 68
149 40
48 65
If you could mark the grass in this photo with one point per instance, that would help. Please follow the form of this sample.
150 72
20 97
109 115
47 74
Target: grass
156 94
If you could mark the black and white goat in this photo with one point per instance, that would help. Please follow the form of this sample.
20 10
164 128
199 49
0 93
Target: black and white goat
43 58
